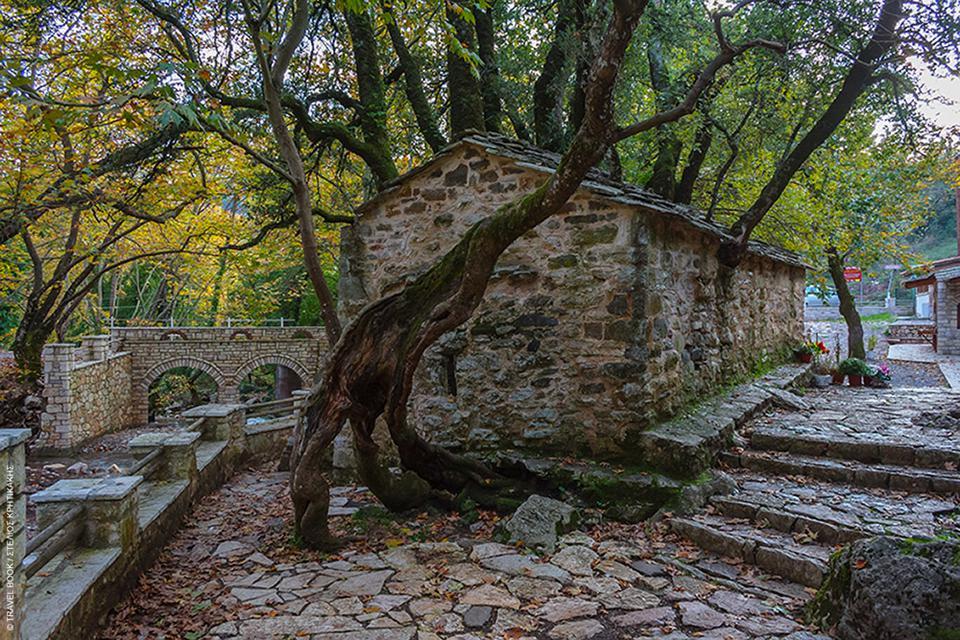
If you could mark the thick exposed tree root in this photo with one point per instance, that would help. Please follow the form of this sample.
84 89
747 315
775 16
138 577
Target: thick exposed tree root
370 372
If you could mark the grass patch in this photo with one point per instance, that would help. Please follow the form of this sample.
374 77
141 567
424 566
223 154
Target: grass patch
884 317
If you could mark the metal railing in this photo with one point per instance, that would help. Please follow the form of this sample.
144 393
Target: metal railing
61 533
200 323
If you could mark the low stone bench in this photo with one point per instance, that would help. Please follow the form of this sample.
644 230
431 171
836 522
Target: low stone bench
687 445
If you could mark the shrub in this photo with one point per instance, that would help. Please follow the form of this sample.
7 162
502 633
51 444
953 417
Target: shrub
855 367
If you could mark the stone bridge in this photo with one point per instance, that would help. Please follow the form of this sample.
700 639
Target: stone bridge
226 354
104 384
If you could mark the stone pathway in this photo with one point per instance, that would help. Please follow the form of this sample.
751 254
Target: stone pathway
234 573
843 465
907 354
853 464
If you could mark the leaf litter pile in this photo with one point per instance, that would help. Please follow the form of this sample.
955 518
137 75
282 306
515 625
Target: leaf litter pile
183 595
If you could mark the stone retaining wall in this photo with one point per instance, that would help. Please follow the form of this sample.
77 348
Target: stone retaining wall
129 519
606 318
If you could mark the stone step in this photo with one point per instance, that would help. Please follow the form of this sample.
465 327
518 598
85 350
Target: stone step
821 531
838 513
773 551
886 452
881 476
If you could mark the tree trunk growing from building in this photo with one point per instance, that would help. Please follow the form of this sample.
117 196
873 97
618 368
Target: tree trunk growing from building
860 76
848 306
370 372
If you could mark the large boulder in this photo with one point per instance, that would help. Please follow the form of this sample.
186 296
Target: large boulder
539 521
888 589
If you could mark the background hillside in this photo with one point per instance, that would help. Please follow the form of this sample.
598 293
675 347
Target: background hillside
938 239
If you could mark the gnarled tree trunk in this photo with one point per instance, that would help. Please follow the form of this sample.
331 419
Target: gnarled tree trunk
370 372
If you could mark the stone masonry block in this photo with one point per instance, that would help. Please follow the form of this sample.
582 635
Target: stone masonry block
110 508
179 452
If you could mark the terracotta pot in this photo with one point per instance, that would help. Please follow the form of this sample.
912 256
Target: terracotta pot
806 358
837 378
855 381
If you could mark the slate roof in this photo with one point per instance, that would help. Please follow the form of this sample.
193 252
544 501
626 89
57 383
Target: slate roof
532 157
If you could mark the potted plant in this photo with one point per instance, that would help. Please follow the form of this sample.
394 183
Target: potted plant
855 369
836 377
809 349
879 376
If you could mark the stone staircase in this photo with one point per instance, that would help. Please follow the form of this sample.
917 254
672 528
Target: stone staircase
812 480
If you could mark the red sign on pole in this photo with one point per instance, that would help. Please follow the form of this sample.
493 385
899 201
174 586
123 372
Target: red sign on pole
852 274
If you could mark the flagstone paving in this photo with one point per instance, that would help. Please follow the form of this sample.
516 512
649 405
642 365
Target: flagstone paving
232 573
742 569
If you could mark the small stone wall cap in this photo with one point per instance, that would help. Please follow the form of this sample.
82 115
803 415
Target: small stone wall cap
12 437
181 438
115 488
212 410
79 490
66 491
151 439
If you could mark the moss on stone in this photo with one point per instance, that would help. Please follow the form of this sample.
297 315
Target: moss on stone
562 262
601 235
824 610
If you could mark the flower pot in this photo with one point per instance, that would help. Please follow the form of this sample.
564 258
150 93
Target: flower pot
806 358
855 381
837 378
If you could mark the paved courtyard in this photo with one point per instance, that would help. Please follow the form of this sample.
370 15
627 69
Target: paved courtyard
844 465
234 573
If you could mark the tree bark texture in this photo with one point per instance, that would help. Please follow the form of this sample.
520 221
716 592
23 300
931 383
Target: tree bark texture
413 85
370 371
691 171
490 71
466 102
848 306
272 80
663 180
548 90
